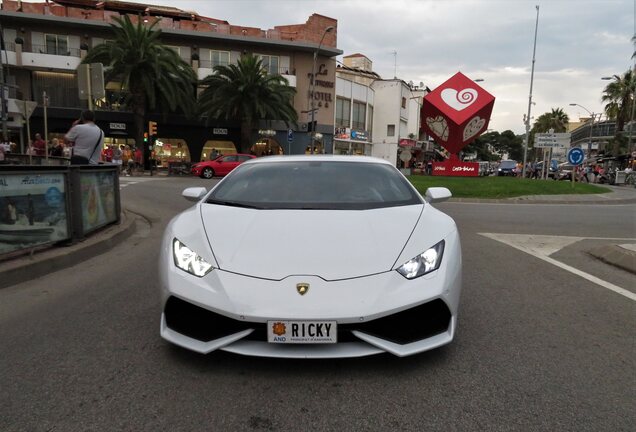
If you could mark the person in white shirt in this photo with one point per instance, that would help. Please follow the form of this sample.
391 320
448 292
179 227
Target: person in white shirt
87 140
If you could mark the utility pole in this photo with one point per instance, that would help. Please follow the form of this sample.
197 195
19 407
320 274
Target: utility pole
527 141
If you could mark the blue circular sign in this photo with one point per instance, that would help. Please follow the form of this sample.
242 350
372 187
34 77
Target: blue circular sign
576 156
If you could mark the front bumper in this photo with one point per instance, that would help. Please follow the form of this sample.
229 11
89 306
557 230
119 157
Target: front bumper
408 332
378 313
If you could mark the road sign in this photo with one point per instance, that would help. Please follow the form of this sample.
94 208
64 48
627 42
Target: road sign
90 80
576 156
290 135
552 140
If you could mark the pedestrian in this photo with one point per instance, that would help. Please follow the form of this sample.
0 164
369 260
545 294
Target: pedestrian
57 148
87 138
214 154
138 158
117 157
39 146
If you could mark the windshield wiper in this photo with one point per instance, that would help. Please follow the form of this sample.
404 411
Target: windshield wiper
233 204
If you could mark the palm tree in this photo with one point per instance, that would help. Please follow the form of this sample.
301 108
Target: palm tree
150 73
619 95
247 93
557 119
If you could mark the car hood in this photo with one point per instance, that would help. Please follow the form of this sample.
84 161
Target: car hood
333 245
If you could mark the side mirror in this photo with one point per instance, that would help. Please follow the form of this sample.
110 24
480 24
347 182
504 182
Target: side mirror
194 193
437 194
219 160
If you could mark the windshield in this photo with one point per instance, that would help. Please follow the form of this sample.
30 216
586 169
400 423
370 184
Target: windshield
508 164
329 185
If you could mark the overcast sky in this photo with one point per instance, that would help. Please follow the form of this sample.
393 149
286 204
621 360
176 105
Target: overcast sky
578 42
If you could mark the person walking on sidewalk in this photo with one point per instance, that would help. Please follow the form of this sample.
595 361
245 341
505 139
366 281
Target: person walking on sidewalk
87 139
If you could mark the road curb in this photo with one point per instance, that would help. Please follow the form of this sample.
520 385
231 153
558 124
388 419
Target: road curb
523 200
28 267
616 256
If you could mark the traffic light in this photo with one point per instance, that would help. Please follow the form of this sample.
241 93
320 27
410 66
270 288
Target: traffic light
152 128
145 137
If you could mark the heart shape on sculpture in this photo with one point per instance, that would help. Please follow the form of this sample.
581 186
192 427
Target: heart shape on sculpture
473 127
438 126
458 100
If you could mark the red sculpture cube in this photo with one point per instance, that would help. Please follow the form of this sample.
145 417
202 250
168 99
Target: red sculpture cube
456 112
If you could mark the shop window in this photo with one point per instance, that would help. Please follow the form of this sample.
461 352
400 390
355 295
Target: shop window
217 147
359 114
343 112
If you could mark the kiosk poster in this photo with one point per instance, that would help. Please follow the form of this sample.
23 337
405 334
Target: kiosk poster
454 114
32 210
98 199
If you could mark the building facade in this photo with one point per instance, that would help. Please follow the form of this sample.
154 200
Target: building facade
44 43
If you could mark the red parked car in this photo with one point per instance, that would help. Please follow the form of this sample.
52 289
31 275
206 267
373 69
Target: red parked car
219 166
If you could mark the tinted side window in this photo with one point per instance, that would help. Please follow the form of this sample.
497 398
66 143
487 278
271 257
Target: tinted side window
230 158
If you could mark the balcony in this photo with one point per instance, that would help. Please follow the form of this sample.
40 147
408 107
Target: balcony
46 57
206 69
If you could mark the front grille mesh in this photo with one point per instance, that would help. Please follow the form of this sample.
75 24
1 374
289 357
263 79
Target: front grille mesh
417 323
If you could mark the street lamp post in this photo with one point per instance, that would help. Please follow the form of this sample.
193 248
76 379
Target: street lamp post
527 120
592 118
313 86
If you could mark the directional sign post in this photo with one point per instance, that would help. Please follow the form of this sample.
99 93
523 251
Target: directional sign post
575 157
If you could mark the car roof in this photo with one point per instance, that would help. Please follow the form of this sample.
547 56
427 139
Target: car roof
329 158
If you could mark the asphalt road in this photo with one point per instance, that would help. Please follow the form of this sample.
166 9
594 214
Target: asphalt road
537 348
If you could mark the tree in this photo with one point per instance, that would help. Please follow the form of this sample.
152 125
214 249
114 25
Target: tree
619 95
557 119
501 143
149 73
246 92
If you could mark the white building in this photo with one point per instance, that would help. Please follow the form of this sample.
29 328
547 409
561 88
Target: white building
374 116
354 106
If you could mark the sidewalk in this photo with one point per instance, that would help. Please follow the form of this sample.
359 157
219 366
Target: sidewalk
27 267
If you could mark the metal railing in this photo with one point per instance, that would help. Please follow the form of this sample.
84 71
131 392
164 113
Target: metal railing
61 51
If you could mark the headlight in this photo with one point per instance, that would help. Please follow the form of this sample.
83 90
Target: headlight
425 262
189 261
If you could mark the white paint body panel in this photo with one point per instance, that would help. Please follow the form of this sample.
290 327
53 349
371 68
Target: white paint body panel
349 259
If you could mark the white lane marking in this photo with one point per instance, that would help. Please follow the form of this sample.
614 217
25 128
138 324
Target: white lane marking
518 241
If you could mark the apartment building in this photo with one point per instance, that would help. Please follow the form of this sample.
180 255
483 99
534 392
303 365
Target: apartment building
44 43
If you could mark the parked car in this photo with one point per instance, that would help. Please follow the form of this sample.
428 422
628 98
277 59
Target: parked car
564 172
285 258
220 166
507 168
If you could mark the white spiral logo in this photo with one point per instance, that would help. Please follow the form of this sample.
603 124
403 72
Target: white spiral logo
458 100
466 96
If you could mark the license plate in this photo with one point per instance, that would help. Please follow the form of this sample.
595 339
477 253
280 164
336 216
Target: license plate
302 332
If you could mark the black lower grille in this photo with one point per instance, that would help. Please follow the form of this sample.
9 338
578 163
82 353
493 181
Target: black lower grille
420 322
410 325
198 323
